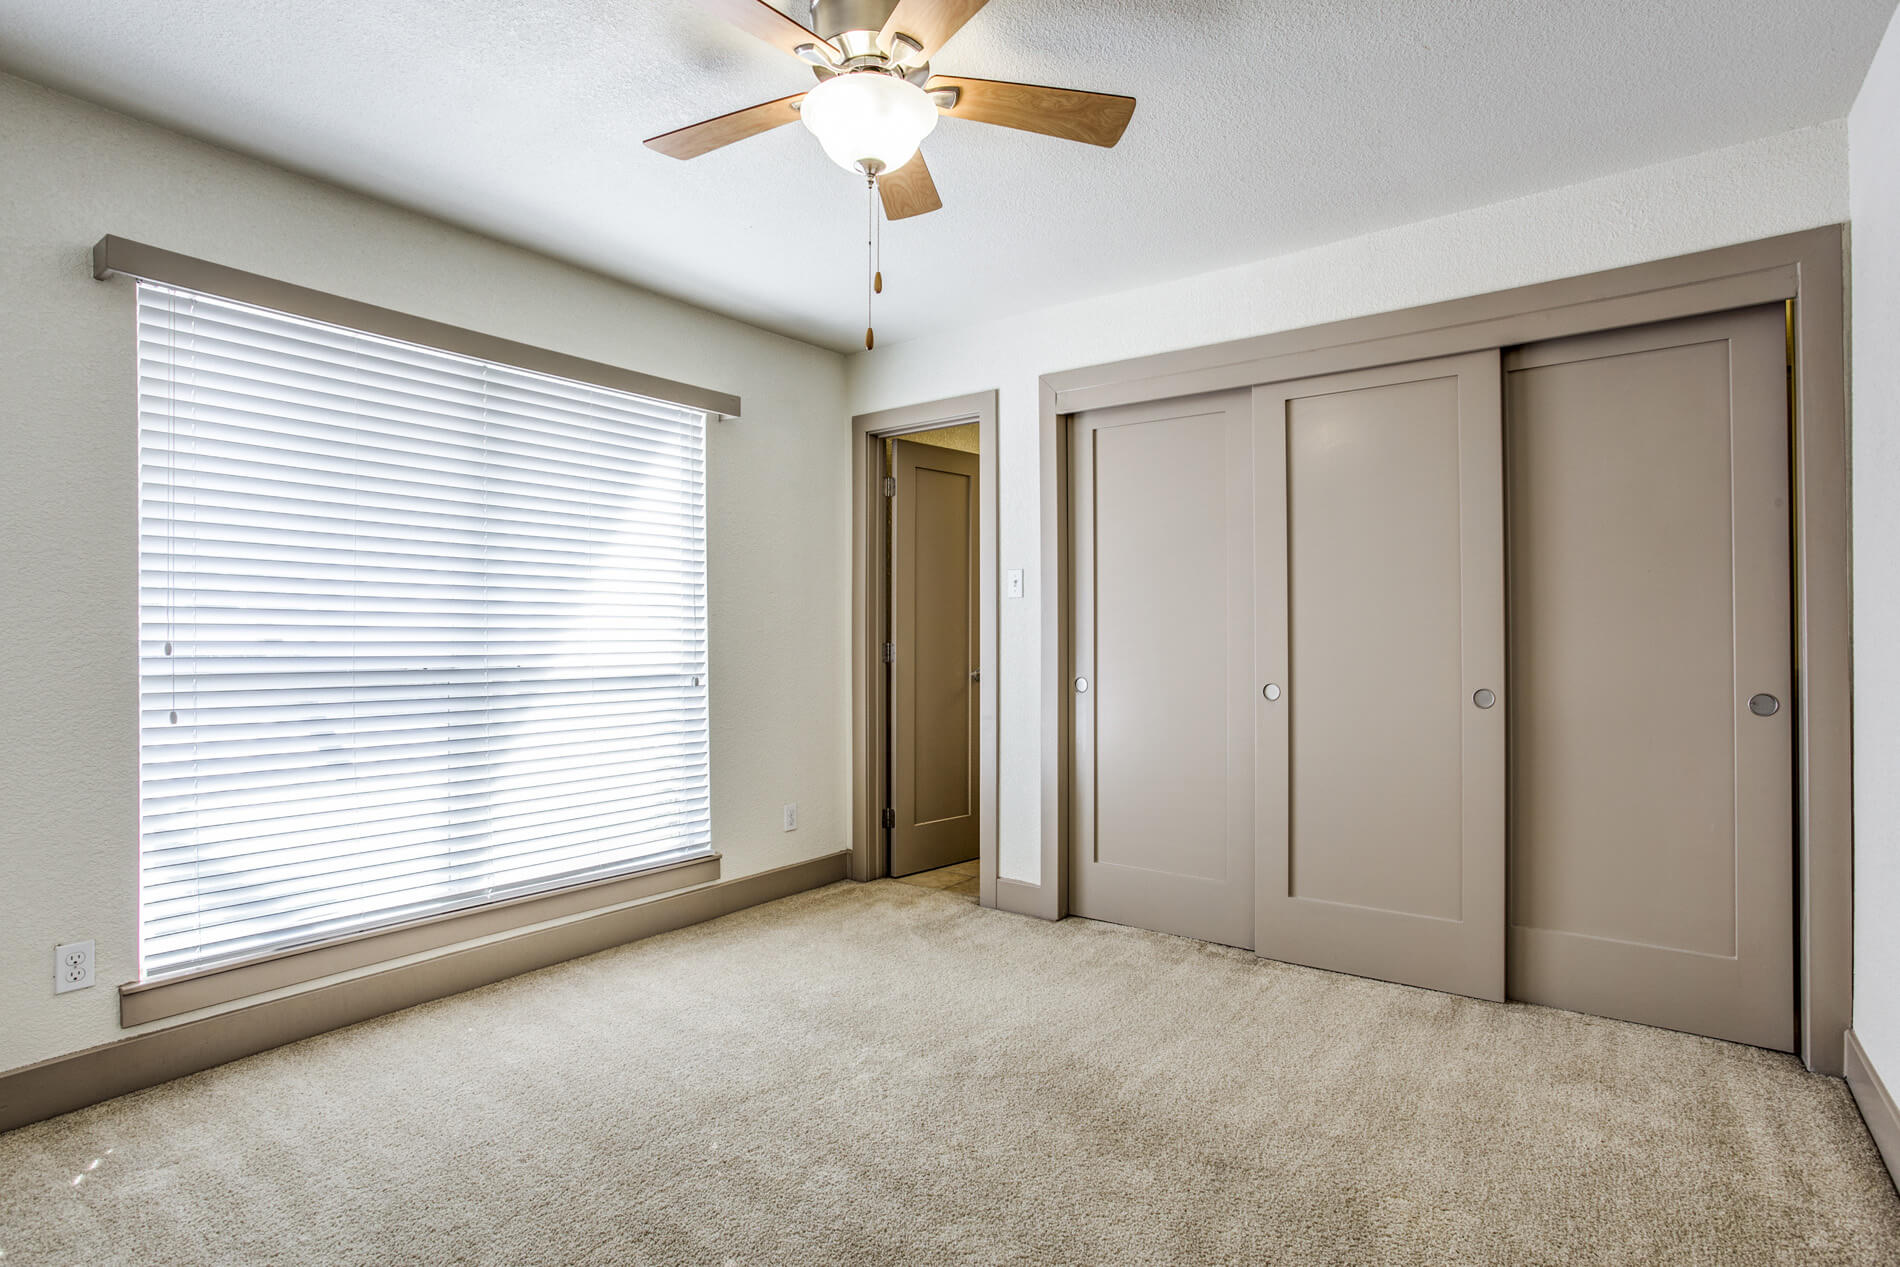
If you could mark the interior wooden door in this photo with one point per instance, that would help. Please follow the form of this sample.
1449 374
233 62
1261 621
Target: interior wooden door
1380 609
1161 501
1652 864
934 597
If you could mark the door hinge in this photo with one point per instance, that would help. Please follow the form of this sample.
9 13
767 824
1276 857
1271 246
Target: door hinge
890 653
890 486
890 817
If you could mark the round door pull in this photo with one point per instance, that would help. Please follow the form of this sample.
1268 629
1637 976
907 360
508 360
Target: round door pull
1081 686
1271 690
1764 705
1485 697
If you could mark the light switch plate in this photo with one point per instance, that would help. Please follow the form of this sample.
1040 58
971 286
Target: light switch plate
72 966
1015 582
791 816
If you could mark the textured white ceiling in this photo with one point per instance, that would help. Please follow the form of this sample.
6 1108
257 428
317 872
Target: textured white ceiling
1264 126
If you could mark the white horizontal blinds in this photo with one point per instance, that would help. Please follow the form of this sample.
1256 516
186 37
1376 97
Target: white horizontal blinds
416 631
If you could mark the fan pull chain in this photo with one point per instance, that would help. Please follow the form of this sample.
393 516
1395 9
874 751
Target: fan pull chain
870 249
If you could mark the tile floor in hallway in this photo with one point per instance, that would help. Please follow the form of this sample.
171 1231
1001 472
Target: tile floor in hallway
959 878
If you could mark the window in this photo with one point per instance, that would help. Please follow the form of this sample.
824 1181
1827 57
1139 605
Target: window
416 632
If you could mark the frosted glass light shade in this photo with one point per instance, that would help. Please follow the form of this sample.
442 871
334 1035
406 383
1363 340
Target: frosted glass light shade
869 122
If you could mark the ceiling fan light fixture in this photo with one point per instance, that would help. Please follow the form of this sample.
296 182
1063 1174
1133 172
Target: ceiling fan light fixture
869 121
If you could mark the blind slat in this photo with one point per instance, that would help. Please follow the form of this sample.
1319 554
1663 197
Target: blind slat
416 631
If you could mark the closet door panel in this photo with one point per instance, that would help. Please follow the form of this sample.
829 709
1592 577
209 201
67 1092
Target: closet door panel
1379 596
1652 811
1163 834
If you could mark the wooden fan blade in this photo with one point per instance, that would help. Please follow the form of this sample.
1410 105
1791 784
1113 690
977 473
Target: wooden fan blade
1096 118
756 17
930 22
704 137
908 191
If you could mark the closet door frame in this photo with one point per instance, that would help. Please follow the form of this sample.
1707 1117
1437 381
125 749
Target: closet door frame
1804 270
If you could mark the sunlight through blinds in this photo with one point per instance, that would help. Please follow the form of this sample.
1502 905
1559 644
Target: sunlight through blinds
416 632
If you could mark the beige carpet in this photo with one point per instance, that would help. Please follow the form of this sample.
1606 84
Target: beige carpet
961 878
889 1074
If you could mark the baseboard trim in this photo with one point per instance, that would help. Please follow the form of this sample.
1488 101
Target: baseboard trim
1876 1106
1022 899
65 1083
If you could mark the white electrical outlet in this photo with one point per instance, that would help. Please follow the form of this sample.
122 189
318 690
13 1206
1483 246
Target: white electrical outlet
791 817
1015 582
72 966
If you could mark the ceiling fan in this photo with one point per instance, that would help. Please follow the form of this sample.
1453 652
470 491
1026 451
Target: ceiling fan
876 99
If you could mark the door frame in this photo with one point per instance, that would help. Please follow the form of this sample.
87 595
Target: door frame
870 601
1805 270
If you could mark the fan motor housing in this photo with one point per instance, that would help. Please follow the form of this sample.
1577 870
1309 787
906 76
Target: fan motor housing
832 18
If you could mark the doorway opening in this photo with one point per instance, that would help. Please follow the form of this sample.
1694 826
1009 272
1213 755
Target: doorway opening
931 657
924 715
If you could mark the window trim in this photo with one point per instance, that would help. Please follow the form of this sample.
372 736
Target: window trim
115 255
144 1001
141 1002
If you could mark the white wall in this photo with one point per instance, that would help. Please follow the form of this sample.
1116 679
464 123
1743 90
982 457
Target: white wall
1874 129
778 508
1776 185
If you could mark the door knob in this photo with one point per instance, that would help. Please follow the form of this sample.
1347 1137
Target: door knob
1485 697
1081 686
1271 690
1764 705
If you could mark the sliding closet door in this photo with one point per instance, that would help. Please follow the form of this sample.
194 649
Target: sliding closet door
1163 742
1652 863
1380 609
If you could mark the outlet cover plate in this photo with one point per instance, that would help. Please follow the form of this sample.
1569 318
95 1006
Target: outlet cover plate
72 966
791 817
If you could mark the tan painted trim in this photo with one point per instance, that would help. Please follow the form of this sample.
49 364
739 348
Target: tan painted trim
134 259
144 1001
869 859
1690 285
1824 657
1020 898
1876 1105
65 1083
1058 656
1806 268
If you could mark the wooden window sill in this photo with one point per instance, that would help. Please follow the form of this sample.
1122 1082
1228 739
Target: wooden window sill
144 1001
